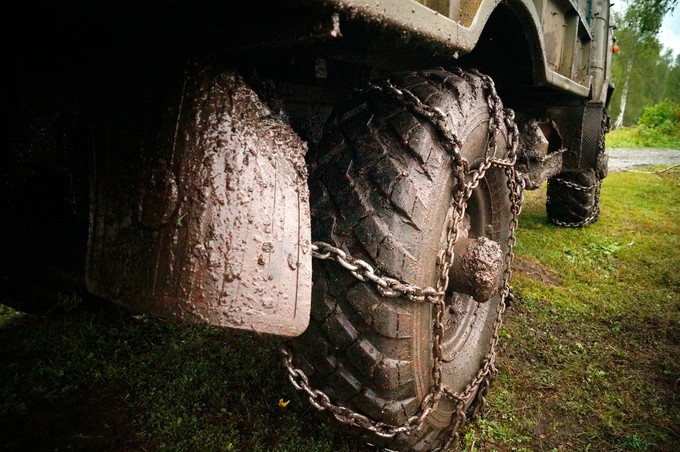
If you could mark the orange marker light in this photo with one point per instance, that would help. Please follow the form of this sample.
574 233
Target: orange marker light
615 48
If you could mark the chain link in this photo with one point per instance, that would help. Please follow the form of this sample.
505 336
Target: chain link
474 392
574 185
363 271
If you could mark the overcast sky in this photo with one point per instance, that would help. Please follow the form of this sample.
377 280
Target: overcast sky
670 28
670 31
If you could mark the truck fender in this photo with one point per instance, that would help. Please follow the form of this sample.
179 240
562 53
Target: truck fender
200 205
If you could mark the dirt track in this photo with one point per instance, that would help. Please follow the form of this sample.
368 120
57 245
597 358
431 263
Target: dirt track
620 159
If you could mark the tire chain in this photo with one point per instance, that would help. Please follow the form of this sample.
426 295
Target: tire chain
574 185
584 188
587 188
475 391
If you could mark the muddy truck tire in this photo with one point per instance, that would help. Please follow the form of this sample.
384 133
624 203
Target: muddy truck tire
574 199
380 190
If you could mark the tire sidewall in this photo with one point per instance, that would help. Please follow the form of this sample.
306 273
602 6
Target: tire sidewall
465 365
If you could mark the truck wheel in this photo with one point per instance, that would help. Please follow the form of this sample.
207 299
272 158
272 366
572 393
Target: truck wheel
574 199
381 188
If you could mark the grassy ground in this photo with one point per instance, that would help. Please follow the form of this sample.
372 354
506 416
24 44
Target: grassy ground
591 351
590 356
631 138
623 137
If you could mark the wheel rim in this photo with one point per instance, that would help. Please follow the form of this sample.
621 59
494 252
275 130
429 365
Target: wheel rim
462 310
468 333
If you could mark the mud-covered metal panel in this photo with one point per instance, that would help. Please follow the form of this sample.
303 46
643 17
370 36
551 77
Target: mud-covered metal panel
554 31
592 141
539 152
462 12
200 204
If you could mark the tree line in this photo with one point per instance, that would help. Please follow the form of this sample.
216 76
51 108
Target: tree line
643 73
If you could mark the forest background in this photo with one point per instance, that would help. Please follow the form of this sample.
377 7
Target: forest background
645 106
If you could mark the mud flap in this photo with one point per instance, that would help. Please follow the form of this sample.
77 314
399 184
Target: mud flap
200 204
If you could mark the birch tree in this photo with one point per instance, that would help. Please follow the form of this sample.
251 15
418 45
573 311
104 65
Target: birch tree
639 69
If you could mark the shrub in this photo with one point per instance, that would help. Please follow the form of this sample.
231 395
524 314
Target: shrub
659 125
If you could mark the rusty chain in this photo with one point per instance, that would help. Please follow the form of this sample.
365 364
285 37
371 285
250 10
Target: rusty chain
363 271
472 398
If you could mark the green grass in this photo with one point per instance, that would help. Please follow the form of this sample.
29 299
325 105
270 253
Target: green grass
590 354
623 137
101 378
589 359
631 138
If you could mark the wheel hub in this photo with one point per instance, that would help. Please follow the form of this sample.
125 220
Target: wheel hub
477 268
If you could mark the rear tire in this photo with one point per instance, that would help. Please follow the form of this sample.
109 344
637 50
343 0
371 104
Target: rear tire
574 199
381 188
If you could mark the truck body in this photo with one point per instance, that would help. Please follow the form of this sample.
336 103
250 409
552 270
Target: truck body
158 152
